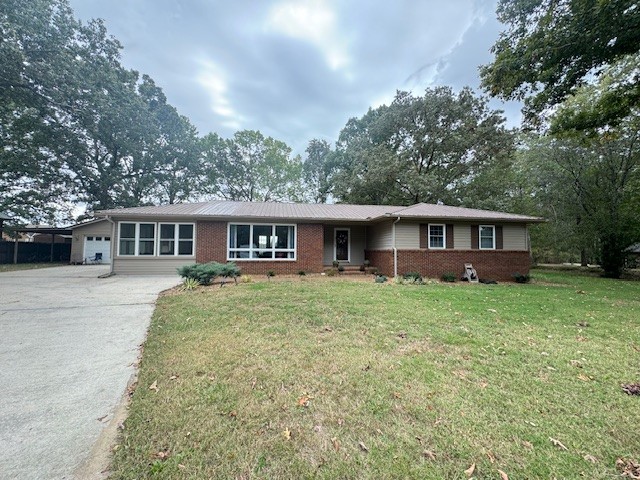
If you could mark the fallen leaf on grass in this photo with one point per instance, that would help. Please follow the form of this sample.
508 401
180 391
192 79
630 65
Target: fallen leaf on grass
492 310
558 444
491 457
503 476
428 454
336 444
590 458
163 455
528 445
303 401
173 377
469 471
363 447
286 433
628 468
583 377
253 383
154 386
631 388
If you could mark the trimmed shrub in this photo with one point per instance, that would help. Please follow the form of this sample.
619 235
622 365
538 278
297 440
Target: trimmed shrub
302 273
412 277
519 278
340 268
270 274
448 277
204 273
381 278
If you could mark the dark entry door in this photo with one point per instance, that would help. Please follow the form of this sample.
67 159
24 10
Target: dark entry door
342 245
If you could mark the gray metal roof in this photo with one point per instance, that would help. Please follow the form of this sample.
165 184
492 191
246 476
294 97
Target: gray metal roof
312 211
427 210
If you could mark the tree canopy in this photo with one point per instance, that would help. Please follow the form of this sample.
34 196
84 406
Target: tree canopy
419 149
552 47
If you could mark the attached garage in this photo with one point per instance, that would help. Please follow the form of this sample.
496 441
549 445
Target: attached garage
90 238
96 244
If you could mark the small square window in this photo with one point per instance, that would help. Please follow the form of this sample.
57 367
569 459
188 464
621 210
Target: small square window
89 239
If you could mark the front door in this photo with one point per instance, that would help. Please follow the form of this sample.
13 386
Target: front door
342 244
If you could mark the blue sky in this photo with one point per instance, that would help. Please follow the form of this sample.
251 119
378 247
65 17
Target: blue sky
298 69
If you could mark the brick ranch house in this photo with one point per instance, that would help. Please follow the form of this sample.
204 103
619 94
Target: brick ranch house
288 238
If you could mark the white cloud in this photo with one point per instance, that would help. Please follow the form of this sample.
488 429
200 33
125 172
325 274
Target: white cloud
313 21
212 79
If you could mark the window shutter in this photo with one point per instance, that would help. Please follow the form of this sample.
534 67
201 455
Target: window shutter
475 237
449 235
424 235
499 238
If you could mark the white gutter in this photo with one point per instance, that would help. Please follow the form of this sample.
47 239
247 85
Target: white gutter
113 243
395 250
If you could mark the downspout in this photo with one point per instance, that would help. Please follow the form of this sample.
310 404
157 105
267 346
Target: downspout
395 250
113 243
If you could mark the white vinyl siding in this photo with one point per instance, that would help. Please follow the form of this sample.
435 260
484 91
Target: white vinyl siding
379 236
461 237
165 265
407 236
514 237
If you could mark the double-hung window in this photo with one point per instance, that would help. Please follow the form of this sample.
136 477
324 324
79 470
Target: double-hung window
487 234
150 239
437 236
261 242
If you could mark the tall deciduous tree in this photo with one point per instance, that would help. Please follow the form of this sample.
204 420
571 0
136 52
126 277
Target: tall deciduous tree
419 149
251 167
317 170
552 47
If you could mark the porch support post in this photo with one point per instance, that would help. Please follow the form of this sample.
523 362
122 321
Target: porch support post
15 250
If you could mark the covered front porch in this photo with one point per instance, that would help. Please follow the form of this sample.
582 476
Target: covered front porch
345 244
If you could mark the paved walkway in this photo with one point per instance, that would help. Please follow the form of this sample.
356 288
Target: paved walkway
68 341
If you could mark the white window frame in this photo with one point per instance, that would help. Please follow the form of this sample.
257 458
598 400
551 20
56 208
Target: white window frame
444 236
493 243
176 239
156 239
273 249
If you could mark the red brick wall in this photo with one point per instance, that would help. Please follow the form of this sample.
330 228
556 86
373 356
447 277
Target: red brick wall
211 246
490 264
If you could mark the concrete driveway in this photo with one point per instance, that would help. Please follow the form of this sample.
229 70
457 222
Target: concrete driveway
68 342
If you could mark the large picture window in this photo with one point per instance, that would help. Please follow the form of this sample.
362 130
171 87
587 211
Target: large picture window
487 237
261 242
437 235
150 239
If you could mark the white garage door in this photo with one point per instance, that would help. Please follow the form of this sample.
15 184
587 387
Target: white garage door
93 245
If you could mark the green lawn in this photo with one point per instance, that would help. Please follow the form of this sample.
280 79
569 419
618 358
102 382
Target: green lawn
10 267
332 378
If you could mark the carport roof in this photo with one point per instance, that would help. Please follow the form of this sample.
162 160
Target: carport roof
45 230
